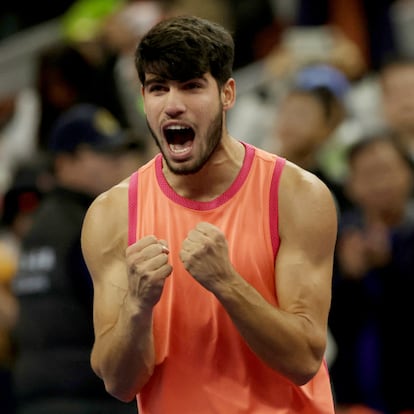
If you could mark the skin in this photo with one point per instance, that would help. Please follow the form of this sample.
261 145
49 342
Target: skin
301 128
92 172
380 183
128 281
397 84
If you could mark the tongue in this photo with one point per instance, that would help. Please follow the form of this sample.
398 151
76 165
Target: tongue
182 147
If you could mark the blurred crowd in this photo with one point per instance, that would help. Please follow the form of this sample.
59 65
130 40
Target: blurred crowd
327 84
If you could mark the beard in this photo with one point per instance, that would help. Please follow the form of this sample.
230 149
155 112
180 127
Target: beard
212 139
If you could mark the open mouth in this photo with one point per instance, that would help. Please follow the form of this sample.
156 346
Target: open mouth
179 138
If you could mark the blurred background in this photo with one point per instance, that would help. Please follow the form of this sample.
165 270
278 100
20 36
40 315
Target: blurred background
328 84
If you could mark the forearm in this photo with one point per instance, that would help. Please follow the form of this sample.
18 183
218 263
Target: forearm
123 354
289 343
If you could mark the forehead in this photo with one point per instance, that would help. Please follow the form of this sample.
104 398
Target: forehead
300 97
301 101
398 74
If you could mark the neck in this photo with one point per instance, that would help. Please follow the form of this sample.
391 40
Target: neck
215 177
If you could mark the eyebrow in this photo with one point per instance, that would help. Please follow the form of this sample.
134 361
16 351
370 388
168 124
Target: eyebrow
154 79
160 79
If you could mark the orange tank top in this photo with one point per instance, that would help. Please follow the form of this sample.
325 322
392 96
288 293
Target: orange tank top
203 366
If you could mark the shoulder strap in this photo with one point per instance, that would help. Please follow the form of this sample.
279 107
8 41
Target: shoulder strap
132 208
273 203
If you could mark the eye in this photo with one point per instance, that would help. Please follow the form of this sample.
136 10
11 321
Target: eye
193 85
157 88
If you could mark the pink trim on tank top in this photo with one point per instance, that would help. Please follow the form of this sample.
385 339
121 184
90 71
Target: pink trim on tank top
206 205
273 204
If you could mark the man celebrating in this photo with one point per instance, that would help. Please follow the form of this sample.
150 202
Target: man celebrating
211 264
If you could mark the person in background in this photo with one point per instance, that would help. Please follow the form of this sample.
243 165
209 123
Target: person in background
19 118
396 79
306 119
18 207
212 283
371 310
90 153
67 76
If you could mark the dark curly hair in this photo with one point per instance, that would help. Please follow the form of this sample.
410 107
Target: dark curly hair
186 47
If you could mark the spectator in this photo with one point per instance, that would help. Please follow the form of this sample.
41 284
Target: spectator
54 332
19 205
373 282
307 117
397 86
19 118
67 76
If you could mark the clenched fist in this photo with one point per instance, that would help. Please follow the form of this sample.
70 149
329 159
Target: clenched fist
148 267
205 256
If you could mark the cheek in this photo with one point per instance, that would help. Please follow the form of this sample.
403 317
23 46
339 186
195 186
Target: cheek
150 109
205 106
148 112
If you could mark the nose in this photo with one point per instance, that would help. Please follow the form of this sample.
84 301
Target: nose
174 103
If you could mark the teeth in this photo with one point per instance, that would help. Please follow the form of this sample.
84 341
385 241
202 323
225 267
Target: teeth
178 149
176 127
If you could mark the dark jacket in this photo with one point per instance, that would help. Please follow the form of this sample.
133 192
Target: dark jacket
54 334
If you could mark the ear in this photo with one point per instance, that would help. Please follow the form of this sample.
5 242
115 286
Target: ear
228 94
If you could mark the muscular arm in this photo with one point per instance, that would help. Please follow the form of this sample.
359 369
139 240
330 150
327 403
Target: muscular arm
292 338
123 352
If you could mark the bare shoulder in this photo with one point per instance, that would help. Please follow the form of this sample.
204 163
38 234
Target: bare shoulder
105 227
299 185
305 203
104 207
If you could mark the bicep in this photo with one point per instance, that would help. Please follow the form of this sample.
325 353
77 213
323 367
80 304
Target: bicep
103 247
307 227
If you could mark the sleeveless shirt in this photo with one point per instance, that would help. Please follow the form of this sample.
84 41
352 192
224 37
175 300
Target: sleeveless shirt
203 365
